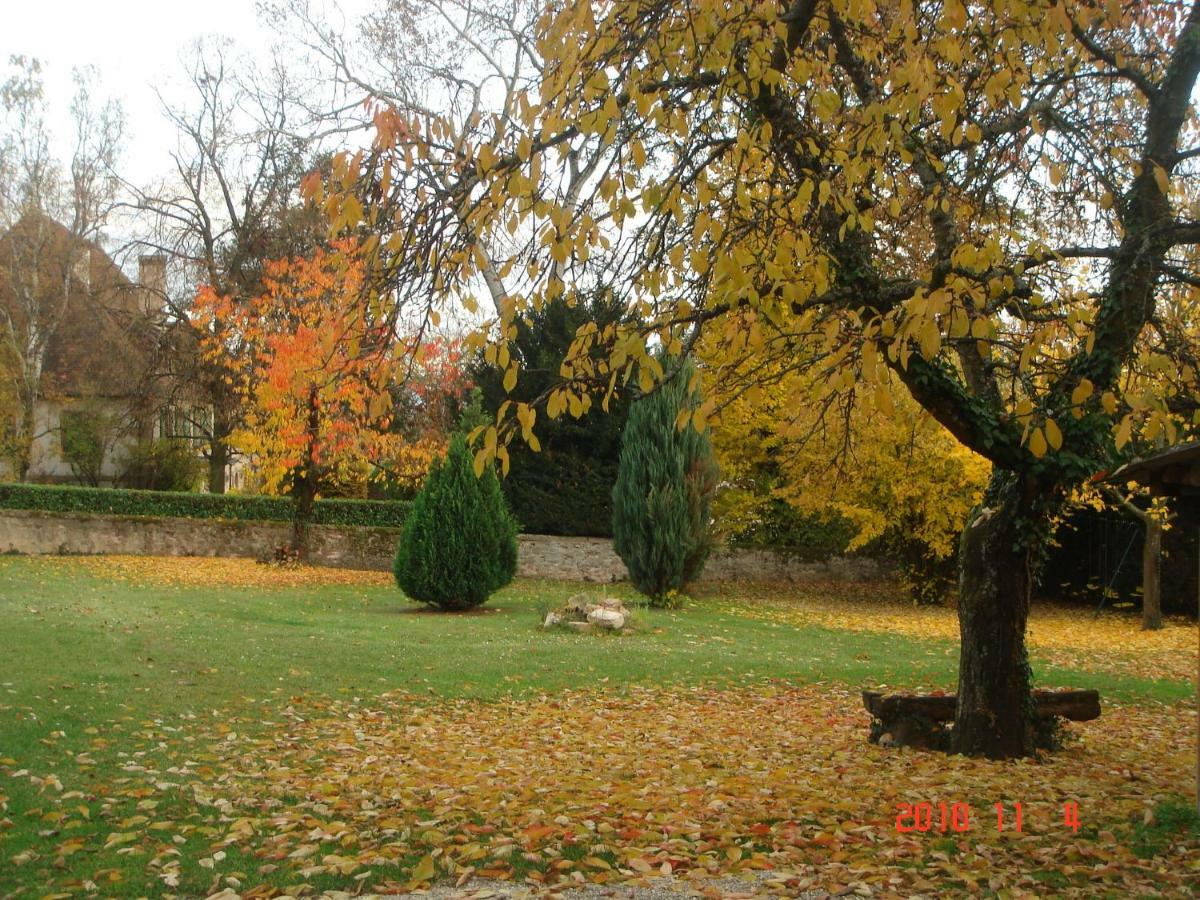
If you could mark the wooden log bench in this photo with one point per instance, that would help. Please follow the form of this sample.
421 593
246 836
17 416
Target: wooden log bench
919 720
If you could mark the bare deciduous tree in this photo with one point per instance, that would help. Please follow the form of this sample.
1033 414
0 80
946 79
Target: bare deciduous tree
451 68
230 204
51 216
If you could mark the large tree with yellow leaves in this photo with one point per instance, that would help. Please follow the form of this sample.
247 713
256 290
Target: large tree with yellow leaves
891 477
991 202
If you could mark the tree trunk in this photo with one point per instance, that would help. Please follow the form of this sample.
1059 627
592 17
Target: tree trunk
304 486
1151 582
218 460
23 451
304 495
219 451
995 715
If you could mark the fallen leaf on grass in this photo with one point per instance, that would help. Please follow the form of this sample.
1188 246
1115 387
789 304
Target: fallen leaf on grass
191 571
1065 636
424 870
606 787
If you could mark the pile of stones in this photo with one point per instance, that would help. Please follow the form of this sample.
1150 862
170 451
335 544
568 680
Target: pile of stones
585 613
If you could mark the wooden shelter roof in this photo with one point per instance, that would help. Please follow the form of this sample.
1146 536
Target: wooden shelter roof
1173 473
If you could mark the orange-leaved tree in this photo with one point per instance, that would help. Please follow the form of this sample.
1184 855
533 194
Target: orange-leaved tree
985 202
315 363
428 406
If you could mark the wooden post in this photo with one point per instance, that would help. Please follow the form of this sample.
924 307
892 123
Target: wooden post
1151 576
1172 473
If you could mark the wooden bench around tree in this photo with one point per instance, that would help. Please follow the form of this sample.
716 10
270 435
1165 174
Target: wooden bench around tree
919 720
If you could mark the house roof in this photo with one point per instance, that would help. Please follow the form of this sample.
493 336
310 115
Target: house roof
102 335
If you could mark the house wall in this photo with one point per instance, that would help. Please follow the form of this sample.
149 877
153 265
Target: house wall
101 344
48 464
49 467
538 556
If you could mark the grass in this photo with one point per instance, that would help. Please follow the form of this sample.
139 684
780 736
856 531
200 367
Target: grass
90 661
81 649
1170 821
94 648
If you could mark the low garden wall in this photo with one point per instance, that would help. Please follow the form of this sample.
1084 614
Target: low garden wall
593 559
539 556
38 532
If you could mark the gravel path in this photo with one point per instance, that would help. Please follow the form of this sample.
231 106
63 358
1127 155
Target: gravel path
765 884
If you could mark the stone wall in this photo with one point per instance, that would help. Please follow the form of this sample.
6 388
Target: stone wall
36 532
593 559
539 556
774 565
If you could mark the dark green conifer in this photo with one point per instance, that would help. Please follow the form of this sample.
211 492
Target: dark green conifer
460 541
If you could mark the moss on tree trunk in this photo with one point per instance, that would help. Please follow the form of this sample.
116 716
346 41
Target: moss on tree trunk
994 717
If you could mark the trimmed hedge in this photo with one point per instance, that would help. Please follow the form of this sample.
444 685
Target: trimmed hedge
62 498
560 492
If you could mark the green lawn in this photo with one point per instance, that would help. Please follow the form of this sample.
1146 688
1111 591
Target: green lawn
82 649
87 662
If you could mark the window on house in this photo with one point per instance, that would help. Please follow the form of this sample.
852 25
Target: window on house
185 423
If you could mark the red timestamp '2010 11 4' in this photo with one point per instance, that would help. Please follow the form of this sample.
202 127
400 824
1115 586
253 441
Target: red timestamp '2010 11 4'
941 817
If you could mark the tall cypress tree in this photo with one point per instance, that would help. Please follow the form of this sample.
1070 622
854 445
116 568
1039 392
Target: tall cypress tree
665 480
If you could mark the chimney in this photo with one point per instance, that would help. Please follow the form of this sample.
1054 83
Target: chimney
152 276
81 271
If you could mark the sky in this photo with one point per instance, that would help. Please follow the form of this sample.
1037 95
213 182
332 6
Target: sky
137 47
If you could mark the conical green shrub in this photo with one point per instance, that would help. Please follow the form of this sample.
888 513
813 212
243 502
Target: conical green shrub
665 480
460 540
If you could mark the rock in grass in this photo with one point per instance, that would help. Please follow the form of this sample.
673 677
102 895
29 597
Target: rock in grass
582 611
606 618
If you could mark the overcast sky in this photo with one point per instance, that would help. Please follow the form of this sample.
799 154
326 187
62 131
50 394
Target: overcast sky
136 46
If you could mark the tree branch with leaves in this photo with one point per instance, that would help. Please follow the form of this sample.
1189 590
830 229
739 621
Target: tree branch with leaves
897 189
